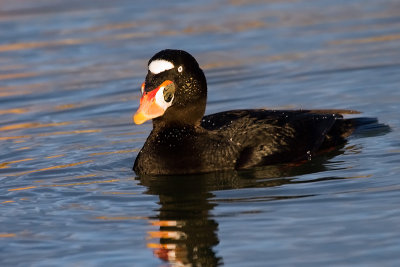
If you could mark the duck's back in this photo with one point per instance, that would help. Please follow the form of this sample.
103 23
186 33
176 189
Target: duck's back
275 136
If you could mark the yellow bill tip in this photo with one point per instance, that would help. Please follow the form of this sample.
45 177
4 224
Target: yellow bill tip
140 118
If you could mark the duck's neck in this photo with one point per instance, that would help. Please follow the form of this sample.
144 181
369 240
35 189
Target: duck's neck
181 117
160 124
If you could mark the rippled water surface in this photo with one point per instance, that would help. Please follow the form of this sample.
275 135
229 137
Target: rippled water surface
70 73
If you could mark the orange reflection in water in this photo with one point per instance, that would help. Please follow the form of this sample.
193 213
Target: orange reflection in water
10 76
4 235
13 111
106 27
167 223
22 188
51 134
14 137
176 235
22 148
30 45
113 152
55 156
6 164
52 168
373 39
24 90
83 183
71 132
70 41
7 201
66 106
63 185
170 247
68 178
29 125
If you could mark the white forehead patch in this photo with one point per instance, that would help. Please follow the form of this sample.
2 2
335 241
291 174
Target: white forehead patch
159 65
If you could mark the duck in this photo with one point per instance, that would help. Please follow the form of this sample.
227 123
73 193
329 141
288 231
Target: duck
183 141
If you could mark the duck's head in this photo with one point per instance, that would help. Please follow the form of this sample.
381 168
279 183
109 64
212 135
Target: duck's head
174 92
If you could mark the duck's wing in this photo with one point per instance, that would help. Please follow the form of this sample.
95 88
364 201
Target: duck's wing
272 136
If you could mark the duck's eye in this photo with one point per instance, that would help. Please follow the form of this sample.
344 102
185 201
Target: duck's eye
180 69
142 88
168 92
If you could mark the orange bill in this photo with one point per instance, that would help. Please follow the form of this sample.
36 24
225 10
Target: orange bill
149 108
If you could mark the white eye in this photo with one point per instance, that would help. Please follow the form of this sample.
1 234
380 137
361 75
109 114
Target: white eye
180 69
160 99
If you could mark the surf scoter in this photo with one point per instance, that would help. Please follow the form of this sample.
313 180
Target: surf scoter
183 141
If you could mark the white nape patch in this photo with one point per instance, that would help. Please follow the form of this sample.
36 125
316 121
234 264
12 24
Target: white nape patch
159 65
160 99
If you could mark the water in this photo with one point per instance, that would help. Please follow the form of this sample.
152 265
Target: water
70 74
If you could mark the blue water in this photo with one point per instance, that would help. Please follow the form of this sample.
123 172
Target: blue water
70 74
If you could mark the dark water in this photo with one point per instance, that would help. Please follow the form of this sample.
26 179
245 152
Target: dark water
70 73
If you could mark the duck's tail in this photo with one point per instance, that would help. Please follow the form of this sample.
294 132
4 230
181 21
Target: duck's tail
355 127
367 127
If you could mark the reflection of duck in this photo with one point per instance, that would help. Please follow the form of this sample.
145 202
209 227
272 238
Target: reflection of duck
183 141
187 232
